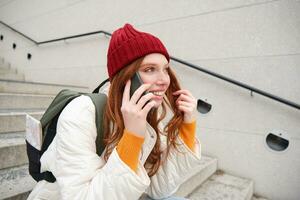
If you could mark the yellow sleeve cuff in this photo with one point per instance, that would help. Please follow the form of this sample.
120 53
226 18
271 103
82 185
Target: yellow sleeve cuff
129 148
187 133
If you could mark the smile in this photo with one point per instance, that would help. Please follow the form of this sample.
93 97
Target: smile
158 93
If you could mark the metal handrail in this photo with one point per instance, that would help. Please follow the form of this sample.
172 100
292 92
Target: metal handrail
252 89
58 39
74 36
32 40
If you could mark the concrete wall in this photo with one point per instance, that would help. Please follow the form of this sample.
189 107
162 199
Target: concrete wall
253 41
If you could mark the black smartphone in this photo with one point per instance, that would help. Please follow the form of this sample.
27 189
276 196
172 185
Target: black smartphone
136 82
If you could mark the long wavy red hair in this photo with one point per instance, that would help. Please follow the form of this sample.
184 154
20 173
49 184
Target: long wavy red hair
114 124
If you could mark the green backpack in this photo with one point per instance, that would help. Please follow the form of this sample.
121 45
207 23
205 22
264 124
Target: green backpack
49 124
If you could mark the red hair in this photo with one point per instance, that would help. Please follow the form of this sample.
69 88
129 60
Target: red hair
114 124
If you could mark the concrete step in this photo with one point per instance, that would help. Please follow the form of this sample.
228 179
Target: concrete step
17 77
25 87
15 183
12 150
25 101
207 167
22 196
14 120
223 186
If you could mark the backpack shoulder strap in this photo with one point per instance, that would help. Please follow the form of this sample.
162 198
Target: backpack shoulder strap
57 105
96 90
99 101
50 117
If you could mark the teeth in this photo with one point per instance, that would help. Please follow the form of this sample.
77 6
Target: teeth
158 93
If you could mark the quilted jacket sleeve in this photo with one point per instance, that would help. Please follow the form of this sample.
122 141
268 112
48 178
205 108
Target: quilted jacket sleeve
175 169
80 172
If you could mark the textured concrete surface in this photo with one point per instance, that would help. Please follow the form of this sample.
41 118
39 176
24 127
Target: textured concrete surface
14 181
22 196
255 197
17 77
24 101
8 71
3 64
12 150
11 86
207 167
14 121
222 186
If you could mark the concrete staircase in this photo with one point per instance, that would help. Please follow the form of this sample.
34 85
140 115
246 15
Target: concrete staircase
18 97
208 183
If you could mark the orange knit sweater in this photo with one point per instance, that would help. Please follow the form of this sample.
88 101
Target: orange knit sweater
130 144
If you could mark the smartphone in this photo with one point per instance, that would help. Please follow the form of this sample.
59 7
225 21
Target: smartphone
136 82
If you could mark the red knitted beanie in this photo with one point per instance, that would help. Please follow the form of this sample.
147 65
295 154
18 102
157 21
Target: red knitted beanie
128 44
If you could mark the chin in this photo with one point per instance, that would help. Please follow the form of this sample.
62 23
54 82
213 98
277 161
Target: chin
157 104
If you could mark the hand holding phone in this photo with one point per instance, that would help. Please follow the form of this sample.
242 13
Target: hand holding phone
135 108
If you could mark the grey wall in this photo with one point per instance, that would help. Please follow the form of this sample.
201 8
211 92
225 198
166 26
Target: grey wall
253 41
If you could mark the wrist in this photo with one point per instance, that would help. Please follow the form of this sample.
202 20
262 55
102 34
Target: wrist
135 133
189 119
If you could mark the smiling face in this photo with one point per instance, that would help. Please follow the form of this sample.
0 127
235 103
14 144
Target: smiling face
154 70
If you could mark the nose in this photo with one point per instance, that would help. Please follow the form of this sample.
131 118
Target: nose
163 77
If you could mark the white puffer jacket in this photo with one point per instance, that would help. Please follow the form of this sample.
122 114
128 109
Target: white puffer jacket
82 175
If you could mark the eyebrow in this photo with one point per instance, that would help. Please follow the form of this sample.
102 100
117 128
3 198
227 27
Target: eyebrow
153 64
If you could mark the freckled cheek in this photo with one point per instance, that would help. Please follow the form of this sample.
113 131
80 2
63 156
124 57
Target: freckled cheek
149 80
167 81
153 80
144 77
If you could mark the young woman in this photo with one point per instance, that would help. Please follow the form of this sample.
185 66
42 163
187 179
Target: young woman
150 136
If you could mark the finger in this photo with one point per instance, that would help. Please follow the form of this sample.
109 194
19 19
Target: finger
187 99
186 104
186 92
143 100
185 109
138 93
126 91
147 107
184 97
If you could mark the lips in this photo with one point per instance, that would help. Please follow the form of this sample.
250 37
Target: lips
158 95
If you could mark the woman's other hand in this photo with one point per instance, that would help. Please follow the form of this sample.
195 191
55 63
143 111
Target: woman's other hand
136 108
186 103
